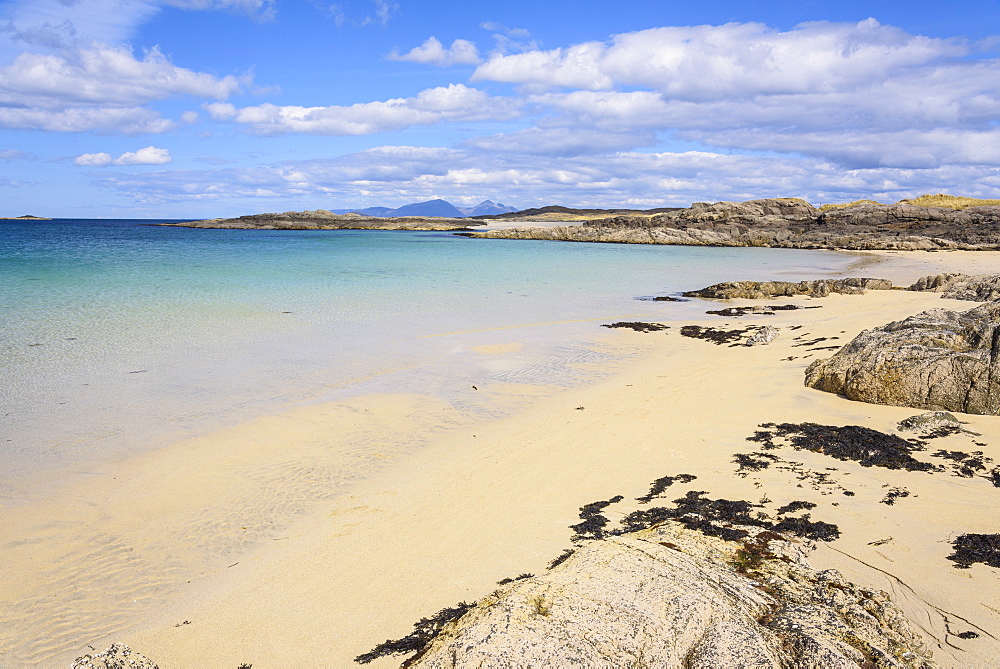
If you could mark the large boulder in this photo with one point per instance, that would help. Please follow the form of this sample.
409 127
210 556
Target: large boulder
938 359
673 597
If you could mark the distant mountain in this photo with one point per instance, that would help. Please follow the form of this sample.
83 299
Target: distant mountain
488 208
435 208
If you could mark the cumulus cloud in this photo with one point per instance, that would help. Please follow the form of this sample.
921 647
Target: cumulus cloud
433 52
106 75
455 102
705 62
858 94
147 156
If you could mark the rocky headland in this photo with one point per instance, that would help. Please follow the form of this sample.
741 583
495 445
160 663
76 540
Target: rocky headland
788 223
322 219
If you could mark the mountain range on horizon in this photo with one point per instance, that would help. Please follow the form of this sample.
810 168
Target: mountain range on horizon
434 208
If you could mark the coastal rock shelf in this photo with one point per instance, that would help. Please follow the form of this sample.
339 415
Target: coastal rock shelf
671 596
322 219
788 223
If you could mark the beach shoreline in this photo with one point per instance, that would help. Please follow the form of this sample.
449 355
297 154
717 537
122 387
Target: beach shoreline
440 519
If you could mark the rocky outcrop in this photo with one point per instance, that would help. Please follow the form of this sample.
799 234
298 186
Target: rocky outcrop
765 335
978 288
674 597
755 290
322 219
788 223
118 656
938 359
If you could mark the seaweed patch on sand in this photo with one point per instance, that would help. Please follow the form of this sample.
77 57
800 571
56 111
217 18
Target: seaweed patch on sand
637 326
718 336
867 447
973 548
657 487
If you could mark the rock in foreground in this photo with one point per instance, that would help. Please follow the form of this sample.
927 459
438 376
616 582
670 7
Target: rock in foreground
118 656
673 597
938 359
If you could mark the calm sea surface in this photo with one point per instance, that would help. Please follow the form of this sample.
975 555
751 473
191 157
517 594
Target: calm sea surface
116 335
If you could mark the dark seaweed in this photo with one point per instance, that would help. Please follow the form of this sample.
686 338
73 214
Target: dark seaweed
637 326
967 635
715 335
893 495
417 640
716 517
657 487
792 507
868 447
810 529
594 521
754 462
519 577
972 548
744 311
562 557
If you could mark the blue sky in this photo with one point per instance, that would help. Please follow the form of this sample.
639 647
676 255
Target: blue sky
200 108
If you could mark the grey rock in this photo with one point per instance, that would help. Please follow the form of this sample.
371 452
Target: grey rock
928 421
788 223
765 335
938 359
118 656
754 290
673 597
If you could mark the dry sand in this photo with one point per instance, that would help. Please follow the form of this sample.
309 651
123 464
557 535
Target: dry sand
306 537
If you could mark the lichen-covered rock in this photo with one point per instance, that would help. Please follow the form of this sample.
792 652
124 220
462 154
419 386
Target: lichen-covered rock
765 335
929 421
671 597
118 656
938 359
755 290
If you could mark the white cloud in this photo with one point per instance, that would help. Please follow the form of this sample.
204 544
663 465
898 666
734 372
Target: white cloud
706 62
105 75
125 120
432 52
147 156
455 102
13 154
189 117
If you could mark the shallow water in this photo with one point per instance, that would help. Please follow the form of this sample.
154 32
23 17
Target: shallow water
117 336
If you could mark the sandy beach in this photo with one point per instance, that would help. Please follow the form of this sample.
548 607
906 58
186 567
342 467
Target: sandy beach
306 537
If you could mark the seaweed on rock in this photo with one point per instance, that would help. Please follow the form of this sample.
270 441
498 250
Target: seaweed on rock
416 641
593 521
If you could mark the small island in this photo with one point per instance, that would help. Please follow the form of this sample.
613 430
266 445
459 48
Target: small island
26 217
321 219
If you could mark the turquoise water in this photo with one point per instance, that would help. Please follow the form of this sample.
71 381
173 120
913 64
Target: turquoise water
118 335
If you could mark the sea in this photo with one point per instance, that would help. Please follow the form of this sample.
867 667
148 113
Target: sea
120 336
